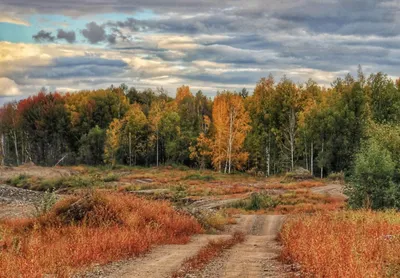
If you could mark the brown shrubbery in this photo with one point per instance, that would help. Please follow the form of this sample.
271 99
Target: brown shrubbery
84 230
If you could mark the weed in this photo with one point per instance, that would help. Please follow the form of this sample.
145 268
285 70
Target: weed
45 204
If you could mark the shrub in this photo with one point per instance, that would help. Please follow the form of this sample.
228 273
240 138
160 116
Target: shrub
110 178
45 204
256 201
373 182
298 174
21 180
211 220
339 176
199 177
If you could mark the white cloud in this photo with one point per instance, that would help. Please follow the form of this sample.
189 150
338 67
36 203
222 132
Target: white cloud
13 20
8 87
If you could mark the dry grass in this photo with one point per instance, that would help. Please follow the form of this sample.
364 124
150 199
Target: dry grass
344 244
94 229
212 250
304 201
295 185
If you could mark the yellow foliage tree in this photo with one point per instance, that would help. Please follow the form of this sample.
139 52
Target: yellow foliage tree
231 125
112 142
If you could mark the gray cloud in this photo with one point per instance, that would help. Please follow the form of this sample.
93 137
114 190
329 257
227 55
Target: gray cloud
69 36
79 67
43 36
304 38
94 32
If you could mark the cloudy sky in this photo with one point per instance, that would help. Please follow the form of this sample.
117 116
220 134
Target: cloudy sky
207 44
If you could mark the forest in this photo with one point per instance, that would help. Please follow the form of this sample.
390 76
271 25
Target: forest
351 127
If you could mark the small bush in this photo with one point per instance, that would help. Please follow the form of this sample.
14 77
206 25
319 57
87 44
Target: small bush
110 178
45 204
21 180
211 220
298 175
339 176
199 177
257 201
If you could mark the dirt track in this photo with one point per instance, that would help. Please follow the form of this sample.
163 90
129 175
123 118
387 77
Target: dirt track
256 256
161 262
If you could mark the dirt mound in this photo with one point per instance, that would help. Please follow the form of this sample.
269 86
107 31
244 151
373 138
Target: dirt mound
92 209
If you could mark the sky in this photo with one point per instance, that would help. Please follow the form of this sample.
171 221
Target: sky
209 45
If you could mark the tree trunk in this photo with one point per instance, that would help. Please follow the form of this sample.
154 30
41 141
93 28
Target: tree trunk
268 155
292 130
130 149
157 147
230 143
312 158
3 152
16 146
322 167
306 152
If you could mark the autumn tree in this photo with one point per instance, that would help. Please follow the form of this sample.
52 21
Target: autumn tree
290 101
134 134
231 123
112 142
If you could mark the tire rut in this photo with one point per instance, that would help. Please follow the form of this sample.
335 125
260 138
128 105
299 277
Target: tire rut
256 257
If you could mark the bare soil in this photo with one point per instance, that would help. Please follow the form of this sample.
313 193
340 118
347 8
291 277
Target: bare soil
17 202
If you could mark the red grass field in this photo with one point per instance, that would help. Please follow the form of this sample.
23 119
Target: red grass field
344 244
114 226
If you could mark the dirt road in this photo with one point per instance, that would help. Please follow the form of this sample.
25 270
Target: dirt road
256 256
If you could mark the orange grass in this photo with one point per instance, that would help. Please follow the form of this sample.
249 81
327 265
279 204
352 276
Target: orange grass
206 254
116 227
344 244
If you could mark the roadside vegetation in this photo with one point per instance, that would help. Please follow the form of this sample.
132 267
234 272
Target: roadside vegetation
344 244
88 229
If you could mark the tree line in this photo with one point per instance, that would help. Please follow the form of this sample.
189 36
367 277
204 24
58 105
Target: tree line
278 127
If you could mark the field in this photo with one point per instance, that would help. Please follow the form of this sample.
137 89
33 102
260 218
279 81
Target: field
344 244
105 218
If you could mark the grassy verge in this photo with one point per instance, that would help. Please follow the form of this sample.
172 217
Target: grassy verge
344 244
212 250
76 181
91 229
293 201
